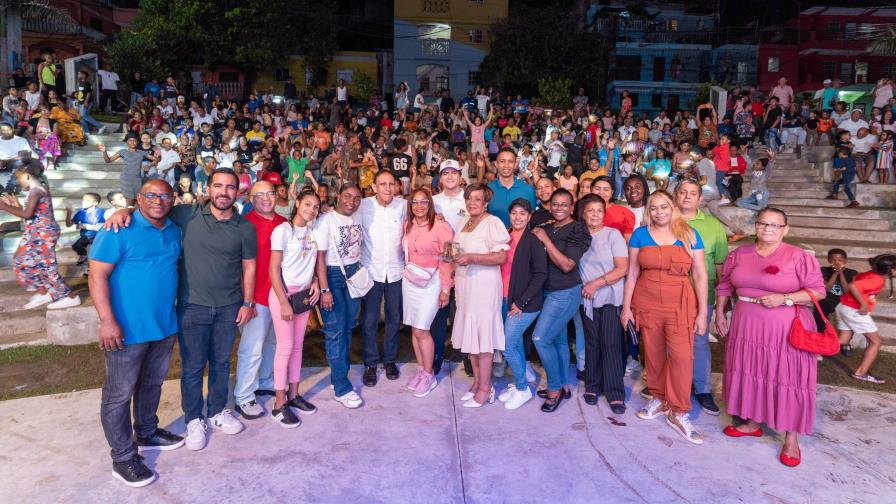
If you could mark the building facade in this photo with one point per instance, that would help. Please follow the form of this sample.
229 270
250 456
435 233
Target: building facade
827 43
439 44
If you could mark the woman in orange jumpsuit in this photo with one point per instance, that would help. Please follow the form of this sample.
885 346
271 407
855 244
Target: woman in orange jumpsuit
665 297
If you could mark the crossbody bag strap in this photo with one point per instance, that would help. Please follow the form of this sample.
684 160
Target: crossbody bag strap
338 256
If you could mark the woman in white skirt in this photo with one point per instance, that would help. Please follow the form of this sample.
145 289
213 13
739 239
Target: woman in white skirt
426 284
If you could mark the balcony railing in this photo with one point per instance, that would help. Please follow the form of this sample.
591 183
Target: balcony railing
225 89
61 26
435 48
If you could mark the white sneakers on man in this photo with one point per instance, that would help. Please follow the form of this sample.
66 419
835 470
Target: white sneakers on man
507 392
518 398
226 423
350 400
197 432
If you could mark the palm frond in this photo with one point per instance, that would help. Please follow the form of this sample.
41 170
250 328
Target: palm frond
885 43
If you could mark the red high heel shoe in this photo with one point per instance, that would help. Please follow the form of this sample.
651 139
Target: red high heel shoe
791 461
731 431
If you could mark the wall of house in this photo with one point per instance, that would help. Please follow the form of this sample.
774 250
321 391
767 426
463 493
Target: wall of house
345 63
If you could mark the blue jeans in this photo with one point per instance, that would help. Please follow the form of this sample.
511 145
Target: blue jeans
703 358
135 97
87 120
514 350
550 333
255 357
580 341
756 201
846 181
133 374
206 337
720 184
439 327
772 138
371 322
338 324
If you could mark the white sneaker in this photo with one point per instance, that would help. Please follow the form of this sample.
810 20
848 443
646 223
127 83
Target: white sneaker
196 434
518 398
351 400
632 367
101 130
724 201
37 300
507 392
227 423
66 302
531 377
682 425
653 409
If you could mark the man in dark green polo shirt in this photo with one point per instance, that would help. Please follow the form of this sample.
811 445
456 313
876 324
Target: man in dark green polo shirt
689 196
215 295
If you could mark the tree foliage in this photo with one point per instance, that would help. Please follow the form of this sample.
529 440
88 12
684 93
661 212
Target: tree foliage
365 85
884 44
534 44
555 92
169 36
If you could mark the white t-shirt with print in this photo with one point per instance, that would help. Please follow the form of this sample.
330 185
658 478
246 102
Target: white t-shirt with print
339 234
299 249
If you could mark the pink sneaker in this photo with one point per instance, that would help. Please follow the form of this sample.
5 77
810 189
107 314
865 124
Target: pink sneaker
426 385
412 383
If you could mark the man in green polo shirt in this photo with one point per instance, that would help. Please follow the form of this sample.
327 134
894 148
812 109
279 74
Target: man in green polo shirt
689 196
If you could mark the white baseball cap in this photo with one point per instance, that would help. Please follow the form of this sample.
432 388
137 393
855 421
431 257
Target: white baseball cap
826 81
449 164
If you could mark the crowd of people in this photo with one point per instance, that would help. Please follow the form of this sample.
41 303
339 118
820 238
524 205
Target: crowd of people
492 221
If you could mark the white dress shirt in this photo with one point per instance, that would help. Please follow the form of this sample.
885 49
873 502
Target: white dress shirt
453 209
383 227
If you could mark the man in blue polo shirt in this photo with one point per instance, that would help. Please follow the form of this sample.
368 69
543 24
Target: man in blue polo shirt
507 187
133 283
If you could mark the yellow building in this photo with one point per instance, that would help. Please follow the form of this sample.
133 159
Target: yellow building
439 44
345 65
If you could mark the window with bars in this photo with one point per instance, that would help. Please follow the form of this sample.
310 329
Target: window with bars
846 72
828 69
476 36
473 77
890 70
773 65
832 30
436 6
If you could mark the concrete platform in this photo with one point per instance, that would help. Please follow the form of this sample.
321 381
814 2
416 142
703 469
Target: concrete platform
398 448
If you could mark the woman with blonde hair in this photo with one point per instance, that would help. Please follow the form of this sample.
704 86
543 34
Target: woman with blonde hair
667 308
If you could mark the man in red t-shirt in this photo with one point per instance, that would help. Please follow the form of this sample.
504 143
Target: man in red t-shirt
255 356
721 157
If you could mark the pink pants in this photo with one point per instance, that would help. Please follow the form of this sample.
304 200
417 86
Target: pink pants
290 337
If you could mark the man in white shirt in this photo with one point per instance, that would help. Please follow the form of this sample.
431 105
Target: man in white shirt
109 89
854 123
341 93
382 221
168 159
12 148
449 204
662 119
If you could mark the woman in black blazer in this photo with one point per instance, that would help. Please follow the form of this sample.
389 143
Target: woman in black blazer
523 274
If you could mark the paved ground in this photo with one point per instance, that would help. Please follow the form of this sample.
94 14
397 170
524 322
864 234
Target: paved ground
401 449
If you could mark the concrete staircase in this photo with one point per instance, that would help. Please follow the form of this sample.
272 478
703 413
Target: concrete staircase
798 187
80 170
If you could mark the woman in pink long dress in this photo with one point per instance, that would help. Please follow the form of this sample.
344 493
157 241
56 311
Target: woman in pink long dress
766 380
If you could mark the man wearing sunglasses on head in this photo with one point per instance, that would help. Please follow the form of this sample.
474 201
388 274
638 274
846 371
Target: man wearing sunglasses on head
133 283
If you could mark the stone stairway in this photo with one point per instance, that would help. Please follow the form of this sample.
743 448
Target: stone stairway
799 187
80 170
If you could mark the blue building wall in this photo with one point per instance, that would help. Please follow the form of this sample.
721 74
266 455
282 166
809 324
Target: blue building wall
460 60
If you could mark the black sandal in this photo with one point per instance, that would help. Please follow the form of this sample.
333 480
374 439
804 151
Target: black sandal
618 408
591 398
552 403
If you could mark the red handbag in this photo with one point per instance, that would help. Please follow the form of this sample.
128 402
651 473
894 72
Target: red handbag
822 343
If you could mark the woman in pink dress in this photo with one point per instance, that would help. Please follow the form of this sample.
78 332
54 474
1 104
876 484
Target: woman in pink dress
424 240
766 380
478 328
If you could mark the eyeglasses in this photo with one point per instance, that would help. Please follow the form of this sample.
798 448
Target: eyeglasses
151 196
265 194
770 225
420 203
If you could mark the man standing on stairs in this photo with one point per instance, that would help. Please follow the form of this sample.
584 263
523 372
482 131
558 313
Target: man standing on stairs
132 173
688 196
137 329
255 356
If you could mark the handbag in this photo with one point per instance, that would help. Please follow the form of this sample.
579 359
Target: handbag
633 336
417 275
822 343
299 301
358 284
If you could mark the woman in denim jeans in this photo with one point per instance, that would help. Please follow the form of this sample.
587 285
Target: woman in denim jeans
565 241
524 274
338 236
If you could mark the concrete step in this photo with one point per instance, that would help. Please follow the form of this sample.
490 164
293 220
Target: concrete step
22 327
839 223
68 269
835 235
796 178
64 254
63 174
776 200
800 193
847 213
855 250
775 185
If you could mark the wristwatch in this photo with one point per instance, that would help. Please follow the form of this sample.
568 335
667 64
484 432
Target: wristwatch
249 304
325 290
788 301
